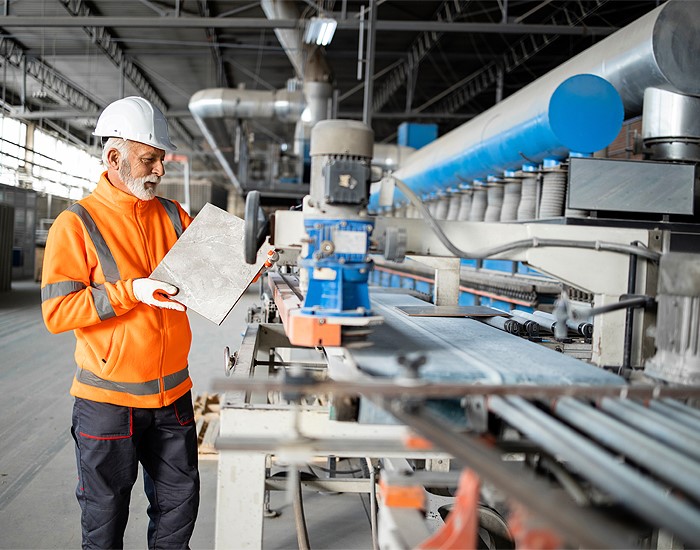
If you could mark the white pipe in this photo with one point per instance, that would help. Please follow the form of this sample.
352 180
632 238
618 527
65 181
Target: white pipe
309 61
390 156
219 103
659 50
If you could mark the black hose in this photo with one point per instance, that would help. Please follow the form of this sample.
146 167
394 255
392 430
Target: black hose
633 302
629 315
299 519
642 252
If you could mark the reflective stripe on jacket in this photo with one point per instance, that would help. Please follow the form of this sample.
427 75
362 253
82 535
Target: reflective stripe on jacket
128 353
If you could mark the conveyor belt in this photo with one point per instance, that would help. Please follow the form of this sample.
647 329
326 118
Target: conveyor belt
659 441
465 350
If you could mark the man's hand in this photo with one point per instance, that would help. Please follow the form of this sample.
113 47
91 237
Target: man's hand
156 294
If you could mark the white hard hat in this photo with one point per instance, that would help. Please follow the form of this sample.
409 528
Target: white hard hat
136 119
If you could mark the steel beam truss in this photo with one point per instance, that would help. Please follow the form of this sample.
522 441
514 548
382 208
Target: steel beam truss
458 95
13 53
104 40
417 51
213 39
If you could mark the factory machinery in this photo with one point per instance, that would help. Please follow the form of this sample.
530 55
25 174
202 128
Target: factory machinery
469 430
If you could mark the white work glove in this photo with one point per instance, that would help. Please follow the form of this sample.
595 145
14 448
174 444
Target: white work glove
156 294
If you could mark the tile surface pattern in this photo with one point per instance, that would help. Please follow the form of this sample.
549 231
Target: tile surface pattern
207 264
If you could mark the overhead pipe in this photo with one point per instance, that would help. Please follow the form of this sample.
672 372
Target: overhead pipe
211 107
389 156
219 103
583 114
310 65
308 60
657 50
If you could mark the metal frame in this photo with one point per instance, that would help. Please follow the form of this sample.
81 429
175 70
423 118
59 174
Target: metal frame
607 282
96 21
104 40
47 76
467 89
250 431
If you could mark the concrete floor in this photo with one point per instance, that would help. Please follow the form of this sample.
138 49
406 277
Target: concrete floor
37 462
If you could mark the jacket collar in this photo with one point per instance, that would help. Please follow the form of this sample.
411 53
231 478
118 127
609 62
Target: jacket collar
106 192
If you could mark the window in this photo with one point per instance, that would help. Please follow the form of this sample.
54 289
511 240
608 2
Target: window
12 136
61 168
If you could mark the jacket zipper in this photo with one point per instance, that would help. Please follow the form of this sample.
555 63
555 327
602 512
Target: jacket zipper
149 260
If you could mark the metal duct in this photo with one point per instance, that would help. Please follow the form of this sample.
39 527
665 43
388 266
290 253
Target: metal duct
671 125
583 113
309 61
219 103
658 50
211 107
389 156
318 97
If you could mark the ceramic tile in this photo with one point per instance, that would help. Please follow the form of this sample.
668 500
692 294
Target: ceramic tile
207 264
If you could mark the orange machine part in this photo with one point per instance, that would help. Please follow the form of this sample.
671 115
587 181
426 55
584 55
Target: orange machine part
401 496
529 533
306 330
417 443
460 529
302 330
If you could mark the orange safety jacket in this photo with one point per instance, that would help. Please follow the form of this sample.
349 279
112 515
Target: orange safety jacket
128 353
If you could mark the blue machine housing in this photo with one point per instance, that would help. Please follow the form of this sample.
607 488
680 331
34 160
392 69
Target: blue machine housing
583 114
338 281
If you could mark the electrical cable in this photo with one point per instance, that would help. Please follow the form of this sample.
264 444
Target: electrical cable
362 498
345 472
585 314
299 518
534 242
373 503
567 480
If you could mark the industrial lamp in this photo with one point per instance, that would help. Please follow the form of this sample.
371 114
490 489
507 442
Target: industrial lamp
320 30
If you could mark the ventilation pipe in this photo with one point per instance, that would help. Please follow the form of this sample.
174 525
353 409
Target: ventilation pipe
310 65
308 60
317 96
658 50
211 107
671 125
390 157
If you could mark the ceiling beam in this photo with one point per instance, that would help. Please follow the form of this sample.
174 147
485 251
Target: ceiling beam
63 114
94 21
411 115
13 53
104 40
419 48
459 94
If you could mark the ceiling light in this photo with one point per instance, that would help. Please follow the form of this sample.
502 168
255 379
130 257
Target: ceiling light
320 30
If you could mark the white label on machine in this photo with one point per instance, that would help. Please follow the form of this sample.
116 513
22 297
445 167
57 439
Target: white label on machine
350 242
325 274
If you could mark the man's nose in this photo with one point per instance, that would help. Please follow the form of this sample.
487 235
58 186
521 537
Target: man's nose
159 168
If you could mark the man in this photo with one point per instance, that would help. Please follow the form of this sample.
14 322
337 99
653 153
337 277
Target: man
132 387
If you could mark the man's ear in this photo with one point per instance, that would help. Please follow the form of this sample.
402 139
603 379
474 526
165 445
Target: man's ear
114 158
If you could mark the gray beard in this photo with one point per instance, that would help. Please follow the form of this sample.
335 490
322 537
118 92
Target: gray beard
137 186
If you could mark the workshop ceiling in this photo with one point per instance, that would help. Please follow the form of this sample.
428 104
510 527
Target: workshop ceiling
67 59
